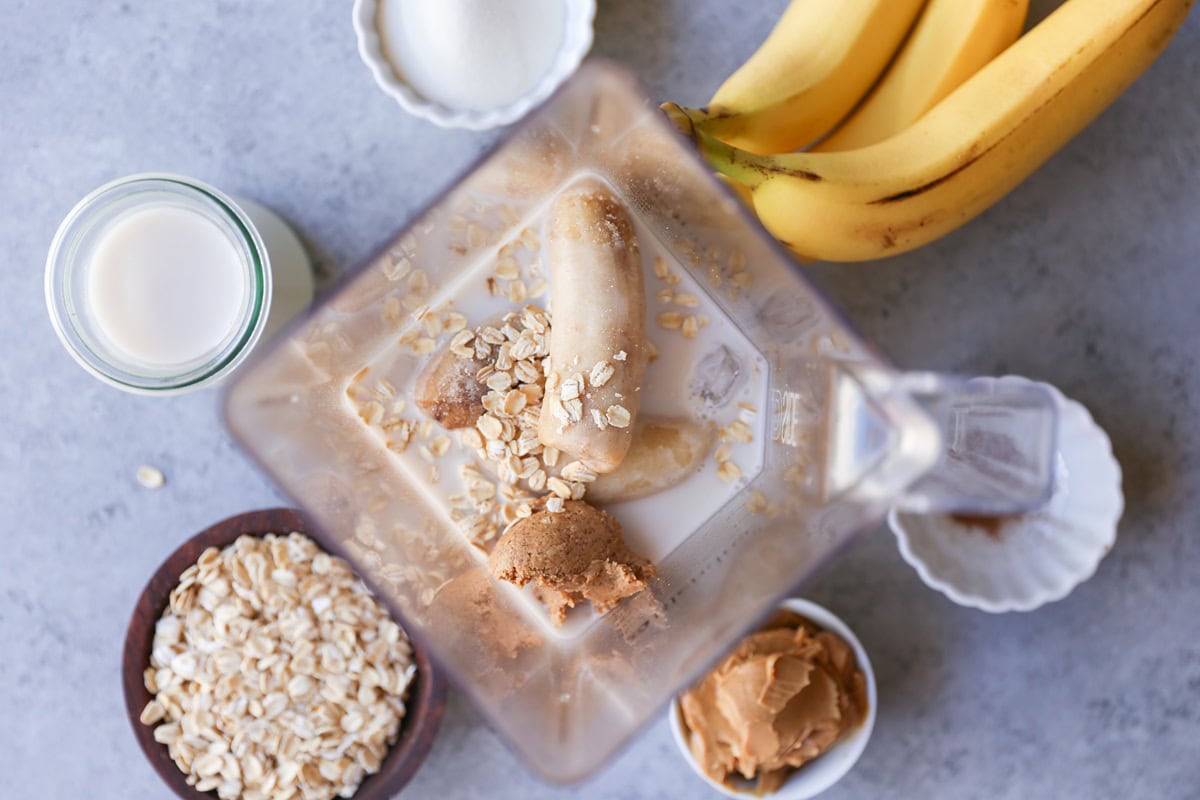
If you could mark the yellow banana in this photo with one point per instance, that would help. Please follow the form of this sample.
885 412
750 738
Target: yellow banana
951 41
818 62
968 151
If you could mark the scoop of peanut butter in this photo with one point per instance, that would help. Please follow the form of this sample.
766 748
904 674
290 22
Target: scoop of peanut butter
784 696
571 555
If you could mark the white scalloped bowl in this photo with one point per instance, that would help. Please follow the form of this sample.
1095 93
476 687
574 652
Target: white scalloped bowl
831 766
576 43
1036 558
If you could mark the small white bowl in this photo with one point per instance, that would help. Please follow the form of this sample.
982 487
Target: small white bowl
1035 558
827 769
577 40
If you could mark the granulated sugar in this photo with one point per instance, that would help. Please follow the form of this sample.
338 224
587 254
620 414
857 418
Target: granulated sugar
472 54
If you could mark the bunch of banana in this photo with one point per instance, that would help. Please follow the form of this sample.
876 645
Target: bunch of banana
963 114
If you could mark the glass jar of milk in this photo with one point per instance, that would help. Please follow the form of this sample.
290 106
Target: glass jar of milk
160 284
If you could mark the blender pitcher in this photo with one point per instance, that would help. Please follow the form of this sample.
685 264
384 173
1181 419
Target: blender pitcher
833 437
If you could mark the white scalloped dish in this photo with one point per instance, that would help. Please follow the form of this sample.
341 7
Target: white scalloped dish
576 41
1020 563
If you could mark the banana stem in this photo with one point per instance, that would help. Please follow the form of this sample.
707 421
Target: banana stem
745 168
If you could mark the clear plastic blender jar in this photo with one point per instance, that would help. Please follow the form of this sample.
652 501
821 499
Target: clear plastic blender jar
825 435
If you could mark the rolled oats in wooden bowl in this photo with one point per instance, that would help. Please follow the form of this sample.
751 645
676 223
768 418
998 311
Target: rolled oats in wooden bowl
258 665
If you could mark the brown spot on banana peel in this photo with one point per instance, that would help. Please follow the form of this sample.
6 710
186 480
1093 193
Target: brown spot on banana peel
754 163
803 174
706 114
889 236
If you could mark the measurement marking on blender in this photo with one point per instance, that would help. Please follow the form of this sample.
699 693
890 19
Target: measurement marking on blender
786 417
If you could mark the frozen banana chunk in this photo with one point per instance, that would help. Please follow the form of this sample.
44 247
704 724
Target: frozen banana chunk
598 340
665 451
448 391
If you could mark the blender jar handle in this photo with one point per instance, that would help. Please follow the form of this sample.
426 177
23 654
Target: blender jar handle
998 445
919 441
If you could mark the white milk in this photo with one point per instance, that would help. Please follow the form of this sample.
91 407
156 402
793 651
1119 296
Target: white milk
166 286
472 54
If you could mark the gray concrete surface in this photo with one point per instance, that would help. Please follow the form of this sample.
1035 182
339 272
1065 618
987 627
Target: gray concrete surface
1088 276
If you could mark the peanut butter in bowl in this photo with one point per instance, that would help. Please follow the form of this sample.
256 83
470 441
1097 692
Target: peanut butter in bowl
785 696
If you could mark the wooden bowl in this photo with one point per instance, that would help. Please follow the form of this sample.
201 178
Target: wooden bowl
425 705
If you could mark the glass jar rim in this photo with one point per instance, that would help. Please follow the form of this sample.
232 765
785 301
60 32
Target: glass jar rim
61 262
